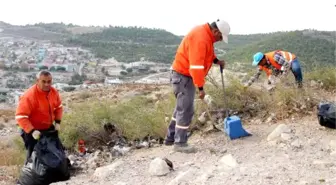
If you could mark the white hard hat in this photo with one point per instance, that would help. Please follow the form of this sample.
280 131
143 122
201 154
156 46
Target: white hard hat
224 28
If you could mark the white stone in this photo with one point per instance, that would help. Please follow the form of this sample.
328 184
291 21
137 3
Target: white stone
229 161
208 99
270 118
186 177
202 178
282 128
93 159
324 164
121 183
158 167
274 142
332 145
333 153
122 150
105 171
145 144
296 143
286 136
202 118
72 159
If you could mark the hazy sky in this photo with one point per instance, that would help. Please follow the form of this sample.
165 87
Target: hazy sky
244 16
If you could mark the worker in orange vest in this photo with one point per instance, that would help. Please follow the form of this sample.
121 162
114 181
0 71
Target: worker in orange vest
194 57
275 63
39 109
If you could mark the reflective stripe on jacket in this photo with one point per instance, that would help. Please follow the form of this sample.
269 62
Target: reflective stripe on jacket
289 57
195 54
38 109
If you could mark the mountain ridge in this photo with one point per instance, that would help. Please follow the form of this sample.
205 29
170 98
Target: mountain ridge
129 44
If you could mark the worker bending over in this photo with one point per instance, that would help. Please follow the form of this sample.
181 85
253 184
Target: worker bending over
275 63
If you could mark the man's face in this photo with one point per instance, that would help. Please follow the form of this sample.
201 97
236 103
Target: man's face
44 82
218 35
263 61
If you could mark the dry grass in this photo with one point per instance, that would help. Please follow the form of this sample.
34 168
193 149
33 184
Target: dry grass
136 118
325 76
12 153
84 95
12 156
139 116
6 114
284 101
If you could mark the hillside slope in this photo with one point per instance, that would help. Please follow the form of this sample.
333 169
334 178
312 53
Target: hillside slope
130 44
313 49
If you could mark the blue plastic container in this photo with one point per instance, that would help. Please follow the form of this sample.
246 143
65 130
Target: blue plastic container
233 128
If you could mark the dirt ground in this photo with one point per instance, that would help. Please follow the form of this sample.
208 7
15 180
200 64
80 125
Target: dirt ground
306 157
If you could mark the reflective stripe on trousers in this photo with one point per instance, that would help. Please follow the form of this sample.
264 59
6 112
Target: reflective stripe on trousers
184 91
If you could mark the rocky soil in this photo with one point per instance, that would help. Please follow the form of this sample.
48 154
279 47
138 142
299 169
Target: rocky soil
290 152
293 151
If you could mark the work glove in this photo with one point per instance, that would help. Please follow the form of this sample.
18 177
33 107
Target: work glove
36 134
284 70
57 126
201 94
221 63
270 80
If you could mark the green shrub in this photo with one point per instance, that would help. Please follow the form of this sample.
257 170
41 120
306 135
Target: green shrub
283 101
136 118
325 75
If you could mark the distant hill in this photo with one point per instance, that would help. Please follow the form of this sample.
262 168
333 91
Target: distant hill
128 44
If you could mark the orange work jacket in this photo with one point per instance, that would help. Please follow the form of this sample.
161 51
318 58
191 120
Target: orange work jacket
195 54
270 57
38 109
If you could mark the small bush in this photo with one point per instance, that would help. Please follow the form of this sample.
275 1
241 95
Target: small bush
326 76
84 95
284 101
12 154
136 118
244 101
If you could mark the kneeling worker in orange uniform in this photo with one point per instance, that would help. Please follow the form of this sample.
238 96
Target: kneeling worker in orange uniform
39 107
194 57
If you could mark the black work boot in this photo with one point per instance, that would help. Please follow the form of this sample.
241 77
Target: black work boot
299 84
168 143
184 148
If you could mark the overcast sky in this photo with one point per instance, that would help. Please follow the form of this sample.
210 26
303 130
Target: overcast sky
178 17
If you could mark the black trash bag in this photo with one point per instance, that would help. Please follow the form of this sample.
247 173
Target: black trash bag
47 163
326 115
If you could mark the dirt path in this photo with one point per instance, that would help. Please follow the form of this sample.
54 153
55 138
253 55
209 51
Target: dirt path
306 157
